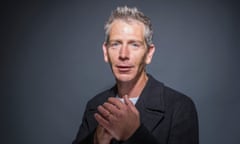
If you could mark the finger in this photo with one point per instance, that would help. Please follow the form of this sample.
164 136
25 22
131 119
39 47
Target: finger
103 112
111 108
101 120
130 104
126 100
116 102
100 129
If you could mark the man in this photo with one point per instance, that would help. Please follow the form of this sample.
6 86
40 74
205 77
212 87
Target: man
138 109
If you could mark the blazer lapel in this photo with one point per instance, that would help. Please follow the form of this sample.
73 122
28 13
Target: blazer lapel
151 104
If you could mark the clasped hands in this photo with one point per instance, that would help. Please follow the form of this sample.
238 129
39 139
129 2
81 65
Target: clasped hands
116 119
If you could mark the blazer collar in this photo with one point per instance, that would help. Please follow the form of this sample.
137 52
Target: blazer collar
151 97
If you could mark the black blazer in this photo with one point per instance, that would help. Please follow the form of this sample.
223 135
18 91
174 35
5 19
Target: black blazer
167 117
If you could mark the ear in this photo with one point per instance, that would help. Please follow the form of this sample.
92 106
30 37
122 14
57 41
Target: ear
150 53
105 53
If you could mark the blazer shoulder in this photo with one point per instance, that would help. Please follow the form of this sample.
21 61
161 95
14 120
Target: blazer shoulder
169 94
175 98
159 96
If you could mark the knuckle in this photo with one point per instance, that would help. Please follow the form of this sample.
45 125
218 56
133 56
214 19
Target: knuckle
105 104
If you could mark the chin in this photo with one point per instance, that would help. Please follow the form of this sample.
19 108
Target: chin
124 77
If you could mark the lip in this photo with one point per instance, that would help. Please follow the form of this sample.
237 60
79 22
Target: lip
124 68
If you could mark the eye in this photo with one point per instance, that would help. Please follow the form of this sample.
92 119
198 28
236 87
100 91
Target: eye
135 45
115 44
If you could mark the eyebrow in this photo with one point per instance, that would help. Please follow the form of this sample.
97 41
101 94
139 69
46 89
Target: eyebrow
130 41
137 41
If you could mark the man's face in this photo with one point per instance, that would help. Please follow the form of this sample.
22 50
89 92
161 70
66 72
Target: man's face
126 51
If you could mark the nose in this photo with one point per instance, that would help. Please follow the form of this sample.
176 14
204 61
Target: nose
124 53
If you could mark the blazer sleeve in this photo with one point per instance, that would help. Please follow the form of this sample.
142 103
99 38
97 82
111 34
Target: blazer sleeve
142 136
184 129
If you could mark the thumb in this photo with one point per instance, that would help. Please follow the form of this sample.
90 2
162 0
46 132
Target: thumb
127 101
130 104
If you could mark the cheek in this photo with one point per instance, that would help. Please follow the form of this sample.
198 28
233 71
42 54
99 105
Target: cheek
110 58
113 55
140 59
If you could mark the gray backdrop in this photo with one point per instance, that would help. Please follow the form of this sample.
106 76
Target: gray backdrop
52 64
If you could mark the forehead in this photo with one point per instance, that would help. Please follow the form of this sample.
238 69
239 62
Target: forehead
127 29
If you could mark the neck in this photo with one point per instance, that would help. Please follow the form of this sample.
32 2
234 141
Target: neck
132 88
